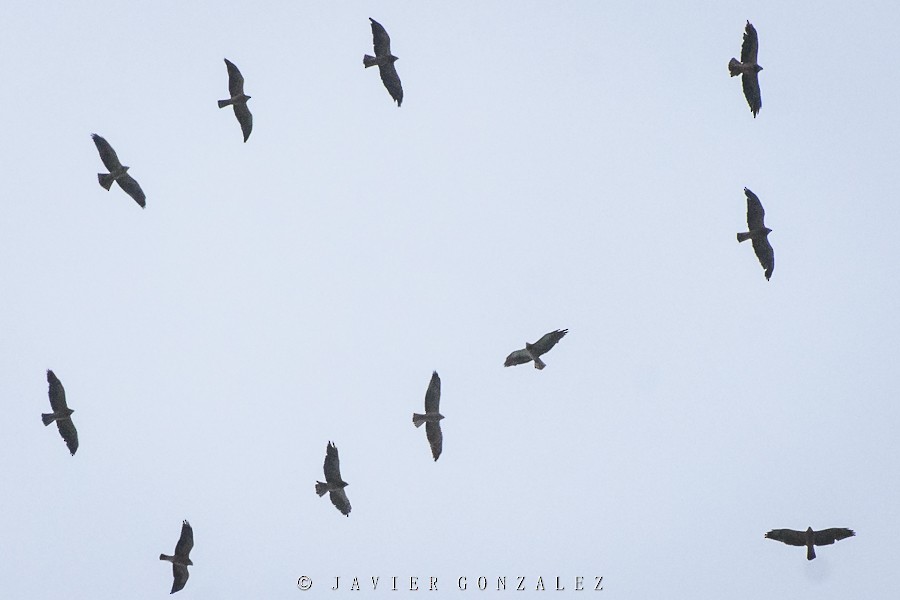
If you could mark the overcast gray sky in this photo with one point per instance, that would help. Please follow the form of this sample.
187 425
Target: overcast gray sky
554 165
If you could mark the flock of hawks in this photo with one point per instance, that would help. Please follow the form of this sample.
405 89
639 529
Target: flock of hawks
748 68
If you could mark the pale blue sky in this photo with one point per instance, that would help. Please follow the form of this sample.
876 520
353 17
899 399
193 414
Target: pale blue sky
570 165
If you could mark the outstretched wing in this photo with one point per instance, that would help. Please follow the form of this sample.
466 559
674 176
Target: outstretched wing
755 213
380 39
750 48
57 392
543 345
107 154
391 81
180 574
244 118
519 357
765 254
133 189
830 536
750 83
235 79
788 536
69 434
433 394
332 466
435 437
185 542
340 500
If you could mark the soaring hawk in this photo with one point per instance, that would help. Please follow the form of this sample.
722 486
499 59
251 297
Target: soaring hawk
810 538
334 485
238 99
62 414
535 350
432 417
748 69
385 61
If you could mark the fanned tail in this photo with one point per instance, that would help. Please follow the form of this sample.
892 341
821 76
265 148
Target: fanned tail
734 67
369 61
418 419
105 179
47 419
321 488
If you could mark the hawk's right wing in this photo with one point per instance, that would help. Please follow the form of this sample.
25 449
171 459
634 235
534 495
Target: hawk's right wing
245 118
830 536
391 81
765 254
435 437
543 345
133 189
750 83
340 500
69 434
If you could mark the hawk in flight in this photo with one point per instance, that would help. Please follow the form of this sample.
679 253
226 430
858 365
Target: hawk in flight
432 417
385 61
181 560
117 172
238 99
334 485
810 538
759 233
535 350
748 69
62 414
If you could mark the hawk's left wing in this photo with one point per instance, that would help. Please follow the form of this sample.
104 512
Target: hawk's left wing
56 392
518 357
755 213
433 395
750 47
185 541
380 39
332 466
235 79
788 536
107 154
